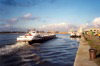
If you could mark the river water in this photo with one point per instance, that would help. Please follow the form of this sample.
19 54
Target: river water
60 51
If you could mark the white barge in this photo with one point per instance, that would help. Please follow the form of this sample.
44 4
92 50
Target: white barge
35 37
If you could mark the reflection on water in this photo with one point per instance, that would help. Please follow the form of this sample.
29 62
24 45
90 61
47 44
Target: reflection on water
78 39
57 52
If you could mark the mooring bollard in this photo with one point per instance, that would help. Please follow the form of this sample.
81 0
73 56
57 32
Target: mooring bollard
92 53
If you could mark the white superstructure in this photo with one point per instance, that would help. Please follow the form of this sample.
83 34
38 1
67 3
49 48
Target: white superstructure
28 36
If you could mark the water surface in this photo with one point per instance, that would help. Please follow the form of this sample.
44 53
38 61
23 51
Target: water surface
56 52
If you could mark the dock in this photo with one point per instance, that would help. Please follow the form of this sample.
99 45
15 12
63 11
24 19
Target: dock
82 56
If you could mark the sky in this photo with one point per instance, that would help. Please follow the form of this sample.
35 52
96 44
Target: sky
59 15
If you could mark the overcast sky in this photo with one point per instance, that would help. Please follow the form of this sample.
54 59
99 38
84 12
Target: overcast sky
48 14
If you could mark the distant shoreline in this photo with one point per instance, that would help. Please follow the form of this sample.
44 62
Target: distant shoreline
12 32
25 32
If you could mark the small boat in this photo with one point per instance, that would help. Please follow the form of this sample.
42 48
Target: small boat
75 35
78 34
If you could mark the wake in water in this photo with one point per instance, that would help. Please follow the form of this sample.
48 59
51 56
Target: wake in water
19 54
12 48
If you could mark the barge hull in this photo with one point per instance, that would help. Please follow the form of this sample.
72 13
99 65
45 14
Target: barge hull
42 39
75 36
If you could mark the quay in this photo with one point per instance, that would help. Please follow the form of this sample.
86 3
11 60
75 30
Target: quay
82 55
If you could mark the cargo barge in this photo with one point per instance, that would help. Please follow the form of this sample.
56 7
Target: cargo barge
42 39
35 37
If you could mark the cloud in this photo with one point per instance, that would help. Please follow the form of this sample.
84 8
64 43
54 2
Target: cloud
25 17
86 26
21 3
58 27
5 25
28 16
8 24
12 20
96 22
24 3
67 27
9 21
9 7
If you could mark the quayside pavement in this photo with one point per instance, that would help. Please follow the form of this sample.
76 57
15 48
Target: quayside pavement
82 55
